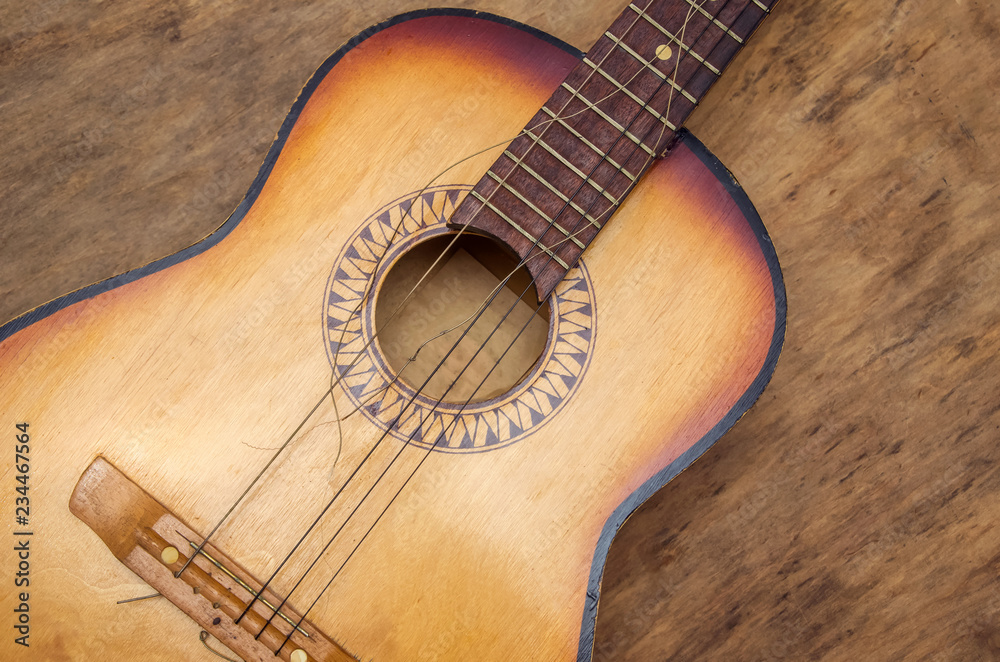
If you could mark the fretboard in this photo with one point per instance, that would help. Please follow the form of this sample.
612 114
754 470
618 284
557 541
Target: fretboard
559 182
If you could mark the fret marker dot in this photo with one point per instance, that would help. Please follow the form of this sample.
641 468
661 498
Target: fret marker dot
299 655
663 52
169 555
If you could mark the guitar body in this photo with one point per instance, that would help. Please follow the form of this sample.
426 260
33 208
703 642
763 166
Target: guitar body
188 373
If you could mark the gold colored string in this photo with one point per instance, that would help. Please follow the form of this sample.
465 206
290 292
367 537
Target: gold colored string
489 298
680 54
335 379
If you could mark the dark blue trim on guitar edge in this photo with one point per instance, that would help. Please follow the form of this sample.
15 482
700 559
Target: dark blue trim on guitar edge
661 478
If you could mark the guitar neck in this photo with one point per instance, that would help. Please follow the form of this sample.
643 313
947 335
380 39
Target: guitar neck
559 182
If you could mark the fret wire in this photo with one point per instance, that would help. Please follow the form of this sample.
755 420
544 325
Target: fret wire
517 227
568 164
684 47
520 161
589 144
610 120
687 49
644 105
649 19
714 20
552 188
727 32
639 101
704 30
535 209
623 130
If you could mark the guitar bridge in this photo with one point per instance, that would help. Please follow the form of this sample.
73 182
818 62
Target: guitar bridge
212 590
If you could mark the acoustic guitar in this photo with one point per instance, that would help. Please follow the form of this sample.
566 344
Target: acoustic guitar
395 408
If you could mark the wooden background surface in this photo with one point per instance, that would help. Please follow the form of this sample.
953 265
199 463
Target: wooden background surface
853 513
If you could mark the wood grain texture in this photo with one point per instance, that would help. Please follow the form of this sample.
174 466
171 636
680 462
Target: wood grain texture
850 515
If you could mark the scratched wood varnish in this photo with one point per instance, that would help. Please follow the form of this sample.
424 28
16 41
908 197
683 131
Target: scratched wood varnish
848 516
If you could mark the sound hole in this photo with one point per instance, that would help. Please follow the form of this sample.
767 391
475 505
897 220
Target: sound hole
501 346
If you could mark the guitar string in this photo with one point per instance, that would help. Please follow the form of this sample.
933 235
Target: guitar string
334 382
397 419
454 238
539 254
330 391
427 454
544 124
203 637
399 490
509 347
483 307
662 130
569 237
336 379
404 482
381 390
504 281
